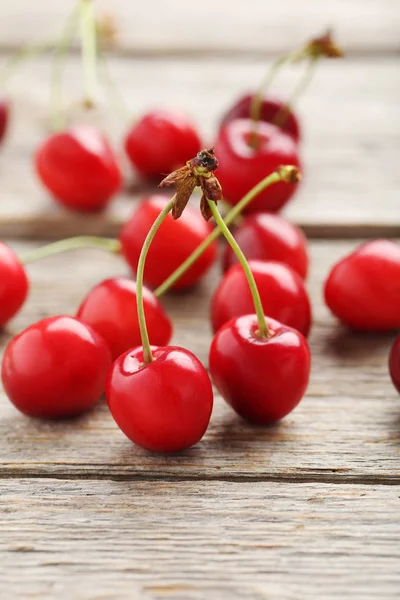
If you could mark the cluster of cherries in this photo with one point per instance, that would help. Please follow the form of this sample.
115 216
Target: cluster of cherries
160 395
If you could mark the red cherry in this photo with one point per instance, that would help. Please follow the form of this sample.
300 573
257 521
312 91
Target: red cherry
163 406
55 368
270 108
363 289
79 168
13 284
241 167
262 379
162 141
282 292
394 363
4 117
110 309
173 243
268 236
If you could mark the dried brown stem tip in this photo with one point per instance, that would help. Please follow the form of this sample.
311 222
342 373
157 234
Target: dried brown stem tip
289 173
107 30
323 46
198 172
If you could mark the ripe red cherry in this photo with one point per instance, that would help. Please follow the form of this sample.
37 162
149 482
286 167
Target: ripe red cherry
282 292
394 363
173 243
262 379
270 109
241 167
162 141
363 289
4 116
268 236
163 406
110 309
55 368
79 168
13 284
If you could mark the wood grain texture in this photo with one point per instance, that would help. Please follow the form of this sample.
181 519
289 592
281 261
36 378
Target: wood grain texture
346 429
351 141
198 540
184 28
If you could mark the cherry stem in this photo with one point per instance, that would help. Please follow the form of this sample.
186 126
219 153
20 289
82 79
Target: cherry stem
147 355
74 243
60 54
89 49
229 218
115 97
262 331
282 115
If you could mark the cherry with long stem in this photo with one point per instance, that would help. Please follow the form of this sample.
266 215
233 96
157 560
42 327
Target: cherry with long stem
286 173
263 331
147 355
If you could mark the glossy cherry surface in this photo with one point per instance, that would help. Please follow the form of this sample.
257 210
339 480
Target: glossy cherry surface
79 168
262 379
270 109
241 167
164 406
363 289
394 363
55 368
268 236
282 292
4 117
160 142
172 244
110 309
13 284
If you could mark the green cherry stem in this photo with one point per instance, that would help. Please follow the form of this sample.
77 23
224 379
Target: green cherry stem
22 55
283 173
60 55
83 241
300 88
262 331
89 49
115 98
147 355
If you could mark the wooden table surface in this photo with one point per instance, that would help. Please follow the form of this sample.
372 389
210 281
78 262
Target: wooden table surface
306 509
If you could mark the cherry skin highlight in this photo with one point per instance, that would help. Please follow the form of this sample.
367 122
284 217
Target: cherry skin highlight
282 293
79 168
163 406
173 243
241 167
4 117
394 363
110 309
268 236
263 380
270 109
363 289
56 368
160 142
13 284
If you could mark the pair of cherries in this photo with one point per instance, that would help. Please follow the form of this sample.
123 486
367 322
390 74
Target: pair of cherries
80 169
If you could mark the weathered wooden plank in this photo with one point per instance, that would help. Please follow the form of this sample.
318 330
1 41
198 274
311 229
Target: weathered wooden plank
346 429
153 540
179 27
351 132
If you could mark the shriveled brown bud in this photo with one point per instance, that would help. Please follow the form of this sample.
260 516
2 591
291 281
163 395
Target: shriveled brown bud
289 173
107 30
182 196
205 208
212 188
324 46
204 162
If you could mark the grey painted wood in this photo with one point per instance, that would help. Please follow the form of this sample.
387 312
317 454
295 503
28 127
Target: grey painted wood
346 428
187 28
351 128
198 540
